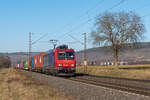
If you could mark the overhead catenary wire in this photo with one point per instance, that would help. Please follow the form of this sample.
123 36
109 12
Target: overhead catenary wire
77 27
90 19
97 4
76 39
39 38
80 25
146 15
93 7
73 42
139 8
87 21
135 9
80 17
90 9
116 5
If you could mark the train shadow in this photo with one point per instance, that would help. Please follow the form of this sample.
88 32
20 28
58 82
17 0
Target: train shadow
81 74
75 75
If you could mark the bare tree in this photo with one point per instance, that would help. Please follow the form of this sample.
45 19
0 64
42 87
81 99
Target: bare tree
117 30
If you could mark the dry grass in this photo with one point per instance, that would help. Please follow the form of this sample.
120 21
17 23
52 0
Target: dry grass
15 86
121 66
111 71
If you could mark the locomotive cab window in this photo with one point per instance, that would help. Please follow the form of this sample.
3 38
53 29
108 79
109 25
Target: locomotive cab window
65 55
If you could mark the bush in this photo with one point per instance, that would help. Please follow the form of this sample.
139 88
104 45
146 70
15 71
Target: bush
4 62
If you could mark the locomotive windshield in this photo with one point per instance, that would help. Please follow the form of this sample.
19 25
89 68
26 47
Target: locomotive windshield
65 55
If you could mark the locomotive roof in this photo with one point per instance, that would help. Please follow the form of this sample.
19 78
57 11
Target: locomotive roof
53 50
49 51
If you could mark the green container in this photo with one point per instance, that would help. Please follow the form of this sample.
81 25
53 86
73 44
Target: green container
25 64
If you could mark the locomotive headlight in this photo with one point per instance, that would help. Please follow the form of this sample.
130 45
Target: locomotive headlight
59 65
72 65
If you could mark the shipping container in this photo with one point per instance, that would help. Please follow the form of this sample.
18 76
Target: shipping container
29 63
35 61
49 59
39 61
25 65
32 62
22 64
18 65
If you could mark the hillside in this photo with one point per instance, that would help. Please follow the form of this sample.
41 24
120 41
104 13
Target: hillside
17 56
98 56
103 55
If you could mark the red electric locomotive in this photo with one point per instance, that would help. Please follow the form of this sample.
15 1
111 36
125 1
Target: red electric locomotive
60 61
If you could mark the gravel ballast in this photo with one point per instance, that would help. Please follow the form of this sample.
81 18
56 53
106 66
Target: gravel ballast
84 91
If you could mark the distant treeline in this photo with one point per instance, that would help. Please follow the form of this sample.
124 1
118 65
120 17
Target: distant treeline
4 62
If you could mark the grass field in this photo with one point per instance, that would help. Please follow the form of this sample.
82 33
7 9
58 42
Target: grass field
15 86
112 71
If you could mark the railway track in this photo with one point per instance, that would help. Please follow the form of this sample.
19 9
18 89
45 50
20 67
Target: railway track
141 87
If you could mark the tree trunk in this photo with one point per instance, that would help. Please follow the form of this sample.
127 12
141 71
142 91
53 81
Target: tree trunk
116 58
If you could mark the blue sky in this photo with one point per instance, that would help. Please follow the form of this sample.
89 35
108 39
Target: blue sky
57 18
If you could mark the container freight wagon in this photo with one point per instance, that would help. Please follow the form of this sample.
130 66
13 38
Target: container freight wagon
29 63
35 62
39 61
60 61
18 66
25 66
32 63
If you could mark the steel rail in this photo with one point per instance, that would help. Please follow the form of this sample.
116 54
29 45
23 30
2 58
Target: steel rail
122 87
